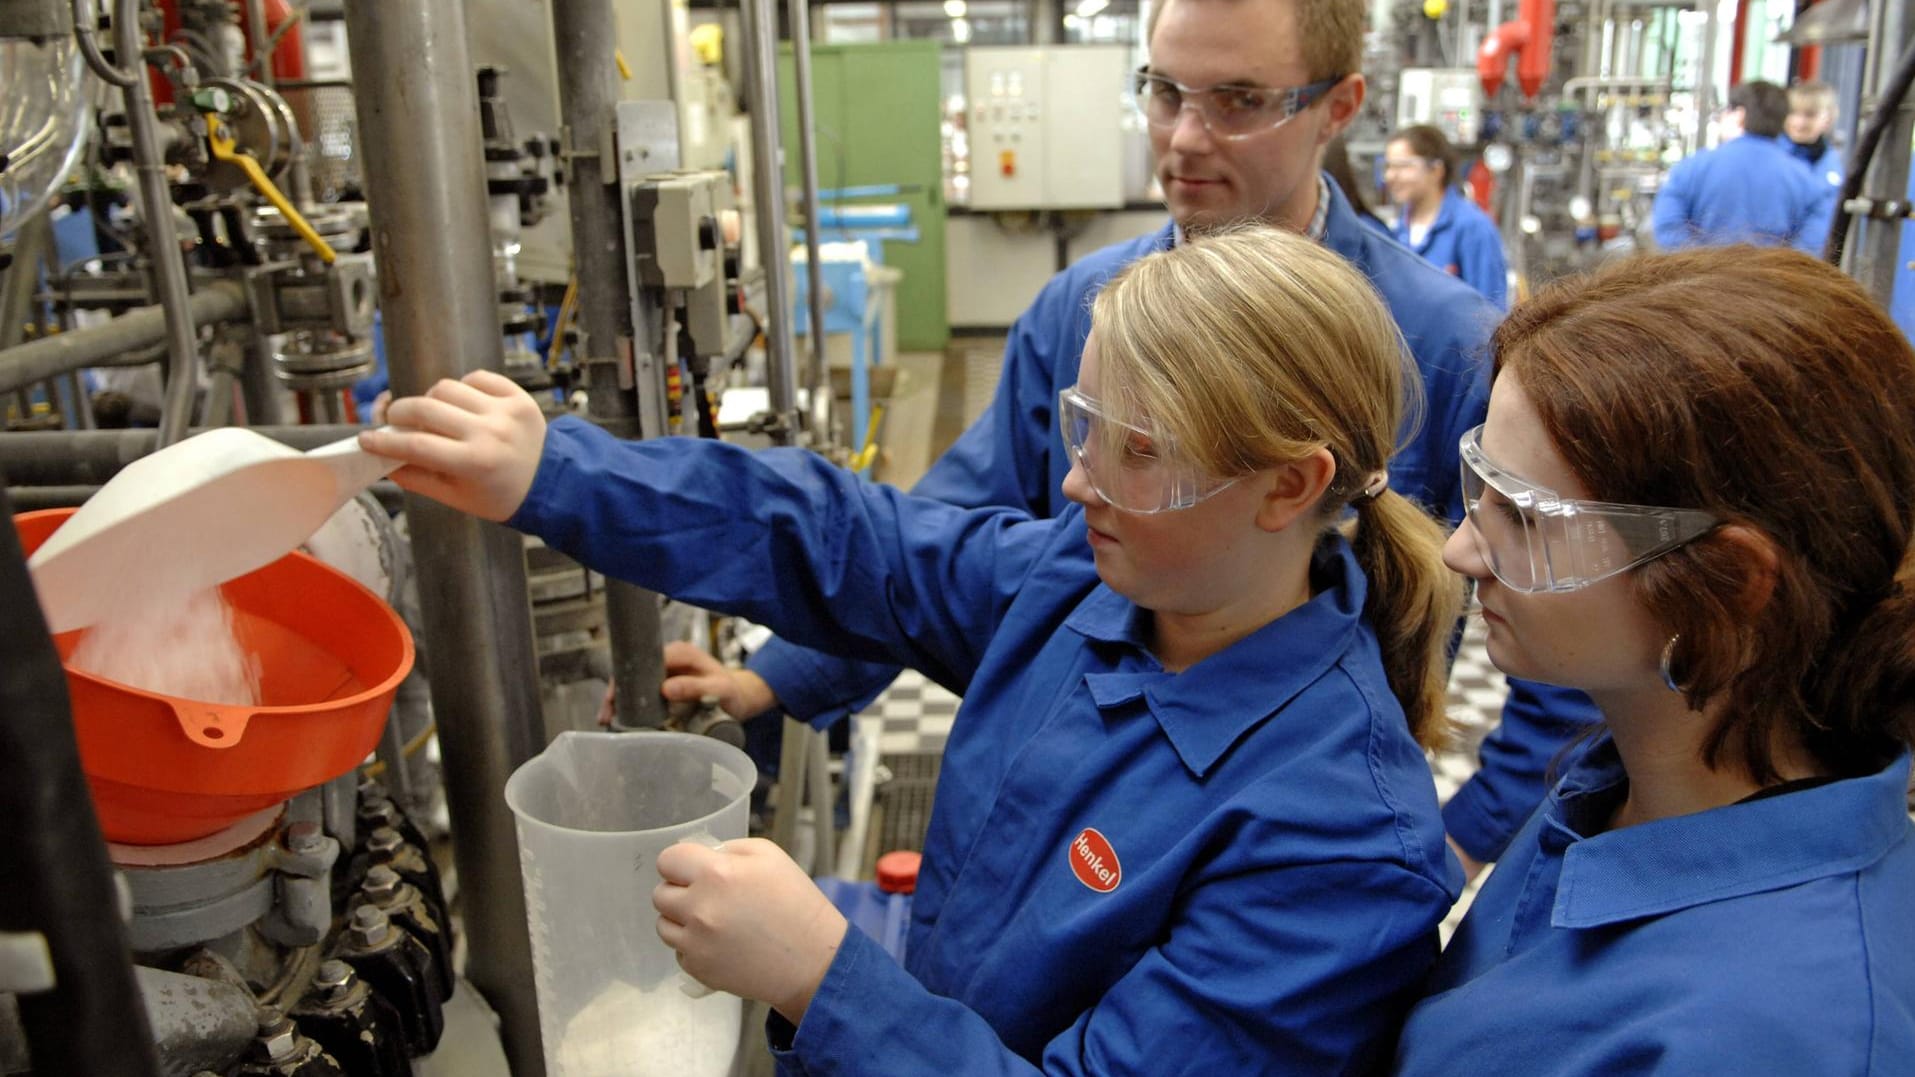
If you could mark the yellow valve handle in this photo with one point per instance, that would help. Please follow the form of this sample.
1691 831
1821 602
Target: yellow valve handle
869 453
624 69
224 149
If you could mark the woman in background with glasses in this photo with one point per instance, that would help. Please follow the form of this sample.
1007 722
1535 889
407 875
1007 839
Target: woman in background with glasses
1435 220
1184 822
1693 499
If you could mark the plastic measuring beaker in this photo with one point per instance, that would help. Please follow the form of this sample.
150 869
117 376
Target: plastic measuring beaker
594 810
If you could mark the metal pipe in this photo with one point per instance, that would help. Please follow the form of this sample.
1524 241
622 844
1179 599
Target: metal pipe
163 241
258 388
58 888
582 36
768 204
256 38
1878 254
101 345
418 113
1706 74
798 14
85 20
91 457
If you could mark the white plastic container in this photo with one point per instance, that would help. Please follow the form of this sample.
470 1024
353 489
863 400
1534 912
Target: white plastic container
594 810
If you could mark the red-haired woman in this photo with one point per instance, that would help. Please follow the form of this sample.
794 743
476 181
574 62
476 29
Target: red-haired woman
1693 499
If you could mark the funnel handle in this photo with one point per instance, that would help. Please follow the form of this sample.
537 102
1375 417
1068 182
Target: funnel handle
211 725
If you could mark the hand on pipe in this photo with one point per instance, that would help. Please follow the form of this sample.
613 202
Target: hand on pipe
691 674
472 444
745 919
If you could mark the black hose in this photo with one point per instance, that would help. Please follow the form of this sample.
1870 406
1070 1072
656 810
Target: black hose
1878 125
57 881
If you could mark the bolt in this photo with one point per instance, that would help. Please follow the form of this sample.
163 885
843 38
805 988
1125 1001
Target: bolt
381 884
305 838
335 978
377 810
277 1036
384 842
369 926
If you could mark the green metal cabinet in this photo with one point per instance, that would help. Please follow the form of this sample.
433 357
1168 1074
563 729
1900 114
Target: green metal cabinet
878 115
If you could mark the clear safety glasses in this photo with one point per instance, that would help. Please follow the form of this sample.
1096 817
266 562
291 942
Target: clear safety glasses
1535 541
1130 467
1228 111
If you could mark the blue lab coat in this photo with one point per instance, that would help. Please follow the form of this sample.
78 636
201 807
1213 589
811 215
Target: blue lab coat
1464 242
1234 869
1825 164
1014 455
1750 189
1773 936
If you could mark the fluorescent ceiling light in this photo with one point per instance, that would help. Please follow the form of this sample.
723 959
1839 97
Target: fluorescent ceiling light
961 31
1087 8
954 8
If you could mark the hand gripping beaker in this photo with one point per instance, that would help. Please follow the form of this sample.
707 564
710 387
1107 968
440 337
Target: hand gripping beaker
594 810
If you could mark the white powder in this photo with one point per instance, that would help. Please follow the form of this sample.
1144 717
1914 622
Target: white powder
629 1032
180 646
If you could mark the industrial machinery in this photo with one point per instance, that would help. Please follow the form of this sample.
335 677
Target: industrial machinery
1572 113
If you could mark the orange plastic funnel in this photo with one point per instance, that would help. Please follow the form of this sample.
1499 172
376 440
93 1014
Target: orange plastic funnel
162 770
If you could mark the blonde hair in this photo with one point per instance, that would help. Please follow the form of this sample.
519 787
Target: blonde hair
1254 347
1817 95
1329 32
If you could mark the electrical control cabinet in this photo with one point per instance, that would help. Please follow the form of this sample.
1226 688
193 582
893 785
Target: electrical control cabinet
1046 125
1449 99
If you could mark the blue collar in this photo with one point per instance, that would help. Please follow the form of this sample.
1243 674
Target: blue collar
1670 864
1210 706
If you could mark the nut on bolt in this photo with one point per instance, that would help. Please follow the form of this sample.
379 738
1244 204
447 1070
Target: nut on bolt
277 1036
305 838
381 884
369 925
334 979
385 840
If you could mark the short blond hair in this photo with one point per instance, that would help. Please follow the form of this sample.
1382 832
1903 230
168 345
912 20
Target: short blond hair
1329 32
1254 347
1816 95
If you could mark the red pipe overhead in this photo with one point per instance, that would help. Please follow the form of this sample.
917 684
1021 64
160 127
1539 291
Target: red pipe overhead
1532 37
1738 41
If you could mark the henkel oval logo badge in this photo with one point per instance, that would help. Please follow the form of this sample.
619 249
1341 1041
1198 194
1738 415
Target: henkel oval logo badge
1095 862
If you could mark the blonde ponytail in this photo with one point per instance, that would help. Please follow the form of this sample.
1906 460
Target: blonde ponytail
1412 605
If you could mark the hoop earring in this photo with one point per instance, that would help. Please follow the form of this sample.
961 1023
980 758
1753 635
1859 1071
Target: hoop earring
1669 652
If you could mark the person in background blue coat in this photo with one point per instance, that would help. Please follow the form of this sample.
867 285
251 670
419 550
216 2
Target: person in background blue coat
1218 163
1811 118
1184 822
1725 881
1433 217
1750 189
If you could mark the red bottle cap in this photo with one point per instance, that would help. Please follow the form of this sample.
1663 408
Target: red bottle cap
898 871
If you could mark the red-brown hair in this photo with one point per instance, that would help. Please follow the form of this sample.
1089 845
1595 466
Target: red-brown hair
1764 387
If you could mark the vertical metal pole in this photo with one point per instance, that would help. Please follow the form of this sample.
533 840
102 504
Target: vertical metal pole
583 33
1877 258
418 113
768 201
1705 73
799 15
156 205
256 36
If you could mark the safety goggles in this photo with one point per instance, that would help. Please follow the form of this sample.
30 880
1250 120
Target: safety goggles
1535 541
1229 111
1130 467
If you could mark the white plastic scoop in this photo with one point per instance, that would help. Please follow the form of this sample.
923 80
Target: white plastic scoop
193 515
